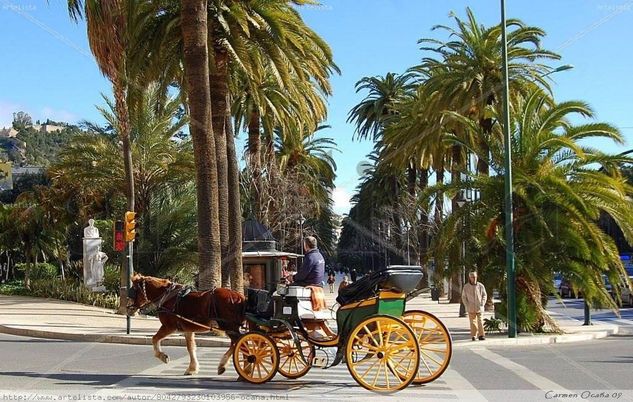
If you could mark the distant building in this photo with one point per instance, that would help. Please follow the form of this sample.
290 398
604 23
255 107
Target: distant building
8 132
48 128
11 132
9 174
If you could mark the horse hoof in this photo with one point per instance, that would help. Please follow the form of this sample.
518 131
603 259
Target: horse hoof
191 372
164 358
221 370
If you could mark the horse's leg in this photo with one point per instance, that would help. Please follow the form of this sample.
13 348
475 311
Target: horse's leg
227 355
191 348
162 333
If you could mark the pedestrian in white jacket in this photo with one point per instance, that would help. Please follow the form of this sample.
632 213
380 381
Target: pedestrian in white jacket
474 298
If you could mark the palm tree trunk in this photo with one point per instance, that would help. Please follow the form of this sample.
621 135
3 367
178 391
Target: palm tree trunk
255 161
424 230
455 257
196 64
439 202
219 90
482 163
439 213
235 210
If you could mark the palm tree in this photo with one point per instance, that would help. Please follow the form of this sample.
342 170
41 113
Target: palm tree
112 27
558 197
466 76
196 61
250 37
380 105
307 172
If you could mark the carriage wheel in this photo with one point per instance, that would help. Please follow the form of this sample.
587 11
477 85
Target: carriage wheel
382 354
256 358
436 346
291 365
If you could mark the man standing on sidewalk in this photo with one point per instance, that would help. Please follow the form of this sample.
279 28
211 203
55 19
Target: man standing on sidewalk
474 298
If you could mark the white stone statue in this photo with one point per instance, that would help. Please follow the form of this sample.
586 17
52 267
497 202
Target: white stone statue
94 258
90 231
95 270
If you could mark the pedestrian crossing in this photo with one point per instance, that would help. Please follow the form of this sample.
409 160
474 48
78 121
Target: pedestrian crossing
334 383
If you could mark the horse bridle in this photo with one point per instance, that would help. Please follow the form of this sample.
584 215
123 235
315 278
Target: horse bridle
132 294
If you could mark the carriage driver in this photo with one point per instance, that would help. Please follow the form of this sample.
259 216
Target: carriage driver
312 271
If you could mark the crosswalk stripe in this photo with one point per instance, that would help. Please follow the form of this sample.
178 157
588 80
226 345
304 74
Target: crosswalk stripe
522 372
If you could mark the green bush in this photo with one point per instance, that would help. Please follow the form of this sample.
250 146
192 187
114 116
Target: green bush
111 278
42 270
70 290
528 319
492 324
14 288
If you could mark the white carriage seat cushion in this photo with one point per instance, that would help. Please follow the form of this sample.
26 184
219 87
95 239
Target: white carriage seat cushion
305 311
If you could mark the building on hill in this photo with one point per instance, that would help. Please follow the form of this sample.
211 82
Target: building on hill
8 132
9 174
47 128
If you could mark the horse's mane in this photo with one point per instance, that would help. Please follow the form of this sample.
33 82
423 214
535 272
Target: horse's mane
155 281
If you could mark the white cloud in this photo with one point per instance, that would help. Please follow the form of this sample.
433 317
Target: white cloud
342 200
60 115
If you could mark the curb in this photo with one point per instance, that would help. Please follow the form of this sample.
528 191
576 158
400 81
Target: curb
544 339
109 338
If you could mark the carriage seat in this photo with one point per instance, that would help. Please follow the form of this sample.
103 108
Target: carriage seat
311 302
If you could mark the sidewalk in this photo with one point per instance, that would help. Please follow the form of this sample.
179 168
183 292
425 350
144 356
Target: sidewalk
57 319
49 318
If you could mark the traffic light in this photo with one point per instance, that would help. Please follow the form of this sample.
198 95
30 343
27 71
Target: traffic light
119 236
130 226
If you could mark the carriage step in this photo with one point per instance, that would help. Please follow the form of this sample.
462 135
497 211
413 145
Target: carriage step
323 357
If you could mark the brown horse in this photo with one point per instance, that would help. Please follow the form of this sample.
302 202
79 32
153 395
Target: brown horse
194 312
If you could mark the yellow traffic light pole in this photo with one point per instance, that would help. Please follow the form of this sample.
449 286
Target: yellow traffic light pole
129 228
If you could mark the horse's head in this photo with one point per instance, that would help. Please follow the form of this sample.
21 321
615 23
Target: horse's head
137 294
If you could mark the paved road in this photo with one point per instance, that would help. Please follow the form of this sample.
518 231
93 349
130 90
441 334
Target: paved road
574 308
49 367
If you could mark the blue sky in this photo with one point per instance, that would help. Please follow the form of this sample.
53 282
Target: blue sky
47 69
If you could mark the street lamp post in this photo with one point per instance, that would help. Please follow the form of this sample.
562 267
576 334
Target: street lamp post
510 268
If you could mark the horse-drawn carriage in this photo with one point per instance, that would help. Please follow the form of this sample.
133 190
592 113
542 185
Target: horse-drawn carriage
384 346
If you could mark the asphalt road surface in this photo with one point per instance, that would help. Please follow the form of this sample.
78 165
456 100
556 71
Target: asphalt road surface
42 369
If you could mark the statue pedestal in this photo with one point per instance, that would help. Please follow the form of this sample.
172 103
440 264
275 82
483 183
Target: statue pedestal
93 270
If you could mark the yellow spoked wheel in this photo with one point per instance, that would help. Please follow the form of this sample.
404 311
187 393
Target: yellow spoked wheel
434 340
256 358
382 354
291 365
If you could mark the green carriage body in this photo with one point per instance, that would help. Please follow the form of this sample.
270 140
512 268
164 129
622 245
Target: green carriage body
352 314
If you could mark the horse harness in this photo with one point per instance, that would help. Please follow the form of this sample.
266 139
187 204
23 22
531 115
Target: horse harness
180 292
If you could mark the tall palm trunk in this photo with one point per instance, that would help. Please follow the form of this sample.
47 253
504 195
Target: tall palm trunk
235 209
123 118
412 178
455 257
255 161
486 124
439 213
218 83
423 257
196 64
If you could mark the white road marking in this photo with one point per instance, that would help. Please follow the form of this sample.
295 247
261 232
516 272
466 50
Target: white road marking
522 372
